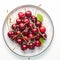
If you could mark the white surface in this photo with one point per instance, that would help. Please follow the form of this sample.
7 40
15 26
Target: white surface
52 8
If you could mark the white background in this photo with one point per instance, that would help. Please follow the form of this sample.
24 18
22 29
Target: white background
52 7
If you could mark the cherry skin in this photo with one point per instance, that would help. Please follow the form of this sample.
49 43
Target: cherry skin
14 26
25 38
38 23
19 41
22 26
28 13
21 15
34 19
31 46
26 21
23 47
10 34
18 32
42 29
35 31
18 21
31 36
15 37
37 43
25 32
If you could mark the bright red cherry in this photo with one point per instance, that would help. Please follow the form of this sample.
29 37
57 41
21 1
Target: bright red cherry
18 21
31 36
26 21
21 15
25 32
35 31
14 26
37 43
22 26
10 34
38 23
28 13
42 29
18 32
31 46
34 19
23 47
19 41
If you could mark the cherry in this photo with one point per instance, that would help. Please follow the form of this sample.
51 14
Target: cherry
31 46
31 25
19 41
14 26
21 15
42 29
37 43
15 37
25 32
10 34
35 31
28 13
38 23
18 32
31 36
22 26
26 21
25 38
38 36
18 21
34 19
23 47
44 35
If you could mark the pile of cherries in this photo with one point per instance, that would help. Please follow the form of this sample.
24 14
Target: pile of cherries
27 31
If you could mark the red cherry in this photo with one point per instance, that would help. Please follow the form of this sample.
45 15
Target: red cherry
42 29
25 32
14 26
26 21
18 21
35 31
22 26
37 43
28 13
18 32
25 38
31 36
34 19
38 23
21 15
31 46
19 41
15 37
10 34
23 47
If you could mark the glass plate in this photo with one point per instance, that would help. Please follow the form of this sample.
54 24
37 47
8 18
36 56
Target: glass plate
47 22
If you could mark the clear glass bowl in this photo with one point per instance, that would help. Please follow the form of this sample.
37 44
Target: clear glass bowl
47 23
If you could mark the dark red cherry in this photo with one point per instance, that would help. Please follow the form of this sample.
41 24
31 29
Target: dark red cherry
10 34
34 19
19 41
25 38
35 31
18 32
26 21
25 32
37 43
21 15
15 37
23 47
14 26
18 21
38 23
42 29
28 13
31 46
31 36
22 26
